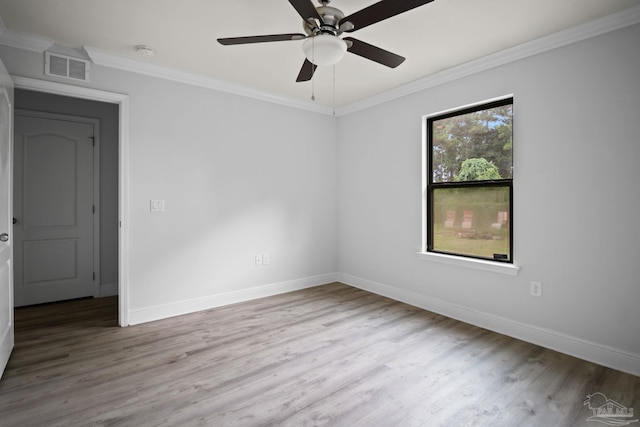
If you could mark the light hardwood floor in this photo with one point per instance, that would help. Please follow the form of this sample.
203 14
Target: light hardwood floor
326 356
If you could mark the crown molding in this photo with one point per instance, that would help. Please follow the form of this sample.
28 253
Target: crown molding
571 35
25 41
22 40
107 59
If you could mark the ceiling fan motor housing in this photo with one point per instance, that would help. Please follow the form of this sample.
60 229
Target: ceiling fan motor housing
329 24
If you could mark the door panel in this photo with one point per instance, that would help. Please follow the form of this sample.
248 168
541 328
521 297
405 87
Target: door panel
50 260
53 198
6 282
49 190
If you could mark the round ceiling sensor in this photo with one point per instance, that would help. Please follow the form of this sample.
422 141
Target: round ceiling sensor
145 51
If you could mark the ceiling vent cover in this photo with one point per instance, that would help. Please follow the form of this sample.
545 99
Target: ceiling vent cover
66 66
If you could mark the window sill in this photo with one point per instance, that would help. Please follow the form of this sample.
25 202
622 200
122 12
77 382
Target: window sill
476 264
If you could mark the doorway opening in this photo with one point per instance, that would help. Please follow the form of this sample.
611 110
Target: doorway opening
58 203
51 97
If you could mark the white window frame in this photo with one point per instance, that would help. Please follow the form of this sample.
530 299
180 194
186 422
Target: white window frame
511 269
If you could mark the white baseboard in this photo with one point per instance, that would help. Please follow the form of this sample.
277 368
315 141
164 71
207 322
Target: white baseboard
586 350
108 289
164 311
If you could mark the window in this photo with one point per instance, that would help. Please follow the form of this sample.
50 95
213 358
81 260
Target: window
470 182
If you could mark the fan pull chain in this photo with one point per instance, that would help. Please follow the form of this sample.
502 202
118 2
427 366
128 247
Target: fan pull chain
334 90
313 57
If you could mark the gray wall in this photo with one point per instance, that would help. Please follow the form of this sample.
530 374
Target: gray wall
108 115
239 177
576 199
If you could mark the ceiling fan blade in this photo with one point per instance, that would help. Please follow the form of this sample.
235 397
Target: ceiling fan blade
261 39
380 11
306 9
306 72
374 53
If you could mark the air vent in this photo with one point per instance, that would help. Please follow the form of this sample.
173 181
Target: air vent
66 66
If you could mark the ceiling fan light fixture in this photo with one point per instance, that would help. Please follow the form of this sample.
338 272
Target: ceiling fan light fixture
324 49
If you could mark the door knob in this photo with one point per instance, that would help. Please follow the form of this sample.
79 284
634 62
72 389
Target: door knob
15 220
4 237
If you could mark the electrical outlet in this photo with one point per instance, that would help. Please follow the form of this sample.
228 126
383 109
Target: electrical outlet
536 289
258 259
266 259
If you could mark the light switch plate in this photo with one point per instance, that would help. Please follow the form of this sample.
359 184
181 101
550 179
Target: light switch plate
157 205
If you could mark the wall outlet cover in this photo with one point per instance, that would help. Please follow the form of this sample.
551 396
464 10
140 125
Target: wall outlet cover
536 289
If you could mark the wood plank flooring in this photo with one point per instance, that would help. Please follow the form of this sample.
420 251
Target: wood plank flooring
326 356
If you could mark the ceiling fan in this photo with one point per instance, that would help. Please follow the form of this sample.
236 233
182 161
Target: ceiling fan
324 25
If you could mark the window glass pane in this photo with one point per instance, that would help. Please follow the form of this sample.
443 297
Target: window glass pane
475 146
472 221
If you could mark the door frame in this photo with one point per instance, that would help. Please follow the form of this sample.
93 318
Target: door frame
123 170
25 112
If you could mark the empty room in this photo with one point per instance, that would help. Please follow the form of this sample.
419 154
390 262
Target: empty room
319 213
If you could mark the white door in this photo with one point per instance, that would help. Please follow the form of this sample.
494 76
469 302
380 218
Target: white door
6 294
54 208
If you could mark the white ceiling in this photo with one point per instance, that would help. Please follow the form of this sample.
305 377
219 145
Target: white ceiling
433 38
